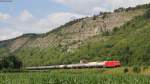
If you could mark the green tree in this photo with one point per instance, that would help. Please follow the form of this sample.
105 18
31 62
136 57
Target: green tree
11 62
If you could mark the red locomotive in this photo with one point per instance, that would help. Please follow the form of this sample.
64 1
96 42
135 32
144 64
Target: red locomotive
112 64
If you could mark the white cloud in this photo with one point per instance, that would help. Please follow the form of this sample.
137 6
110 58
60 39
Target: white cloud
7 33
32 24
27 23
57 19
25 16
113 4
89 6
4 16
81 6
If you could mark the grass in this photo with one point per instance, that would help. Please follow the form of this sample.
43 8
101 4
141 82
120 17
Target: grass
73 76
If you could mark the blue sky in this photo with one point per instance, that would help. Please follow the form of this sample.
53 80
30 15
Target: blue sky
36 7
39 16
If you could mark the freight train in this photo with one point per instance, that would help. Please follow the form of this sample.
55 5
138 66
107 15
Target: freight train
108 64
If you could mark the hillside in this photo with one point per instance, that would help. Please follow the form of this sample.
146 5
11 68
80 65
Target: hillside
118 35
130 44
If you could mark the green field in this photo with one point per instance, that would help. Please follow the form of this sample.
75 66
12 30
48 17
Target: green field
83 76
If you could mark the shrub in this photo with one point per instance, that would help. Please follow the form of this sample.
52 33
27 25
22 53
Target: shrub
105 33
126 70
0 66
145 67
115 29
136 69
94 17
104 16
147 14
119 10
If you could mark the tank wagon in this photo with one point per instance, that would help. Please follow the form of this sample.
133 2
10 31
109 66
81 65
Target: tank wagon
107 64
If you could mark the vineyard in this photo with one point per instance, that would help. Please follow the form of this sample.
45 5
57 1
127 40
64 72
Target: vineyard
92 76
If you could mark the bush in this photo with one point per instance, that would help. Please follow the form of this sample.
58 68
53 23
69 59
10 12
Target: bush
136 69
94 17
145 67
147 14
119 10
105 33
0 66
115 29
126 70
